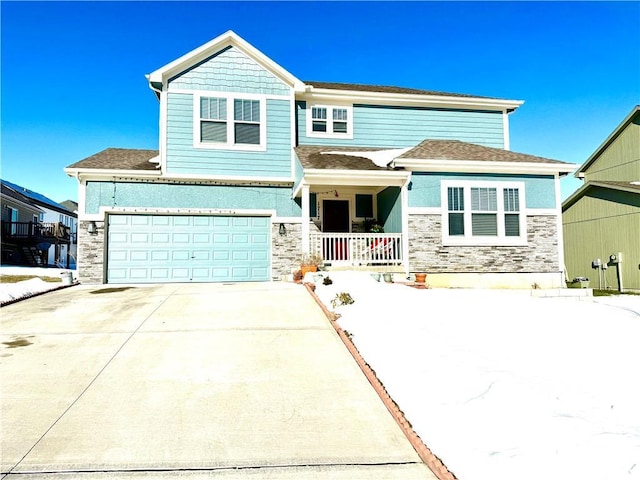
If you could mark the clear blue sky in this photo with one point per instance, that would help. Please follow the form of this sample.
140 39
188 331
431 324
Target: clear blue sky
73 72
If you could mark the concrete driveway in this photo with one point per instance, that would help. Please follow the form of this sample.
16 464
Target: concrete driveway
189 380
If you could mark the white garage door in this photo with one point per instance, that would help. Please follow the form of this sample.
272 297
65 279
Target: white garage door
178 248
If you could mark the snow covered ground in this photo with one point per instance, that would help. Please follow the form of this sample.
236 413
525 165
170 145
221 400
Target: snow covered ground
501 385
28 288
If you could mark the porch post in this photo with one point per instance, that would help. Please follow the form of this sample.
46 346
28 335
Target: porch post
305 218
404 199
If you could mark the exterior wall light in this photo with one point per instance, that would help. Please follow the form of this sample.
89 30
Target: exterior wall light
92 228
282 230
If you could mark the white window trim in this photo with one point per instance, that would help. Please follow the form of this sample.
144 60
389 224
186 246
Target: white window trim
229 145
468 239
329 133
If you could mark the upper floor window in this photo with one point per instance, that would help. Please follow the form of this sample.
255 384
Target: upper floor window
227 121
483 213
330 121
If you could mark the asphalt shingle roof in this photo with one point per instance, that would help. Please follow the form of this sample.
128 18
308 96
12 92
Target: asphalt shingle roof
457 150
311 156
387 89
119 159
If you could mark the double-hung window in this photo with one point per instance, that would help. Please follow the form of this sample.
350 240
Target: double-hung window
230 121
483 213
330 121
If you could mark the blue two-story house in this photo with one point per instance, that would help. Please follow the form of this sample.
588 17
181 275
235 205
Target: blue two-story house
255 167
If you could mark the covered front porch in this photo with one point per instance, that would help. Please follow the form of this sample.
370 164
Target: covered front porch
355 218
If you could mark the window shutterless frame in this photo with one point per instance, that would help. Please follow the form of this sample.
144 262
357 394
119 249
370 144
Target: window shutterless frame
483 213
329 121
229 121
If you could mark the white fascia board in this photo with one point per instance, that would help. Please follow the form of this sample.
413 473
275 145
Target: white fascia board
157 177
228 38
101 174
383 98
354 177
475 166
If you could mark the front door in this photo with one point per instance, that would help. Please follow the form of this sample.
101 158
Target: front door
335 219
335 216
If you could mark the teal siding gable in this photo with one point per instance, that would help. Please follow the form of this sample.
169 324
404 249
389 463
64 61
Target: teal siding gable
424 190
230 70
166 195
184 158
398 127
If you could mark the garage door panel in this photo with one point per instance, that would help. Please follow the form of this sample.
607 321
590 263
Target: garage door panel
139 255
166 248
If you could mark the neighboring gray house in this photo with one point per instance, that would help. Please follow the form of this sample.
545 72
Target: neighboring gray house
255 166
35 229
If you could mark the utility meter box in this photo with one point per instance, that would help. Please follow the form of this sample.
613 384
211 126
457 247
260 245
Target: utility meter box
615 257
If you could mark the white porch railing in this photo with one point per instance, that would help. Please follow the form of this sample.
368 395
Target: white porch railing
358 248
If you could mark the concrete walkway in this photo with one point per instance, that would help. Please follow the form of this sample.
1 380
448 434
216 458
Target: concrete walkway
189 380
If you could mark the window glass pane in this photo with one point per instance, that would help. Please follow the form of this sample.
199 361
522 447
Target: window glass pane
339 127
456 224
319 126
213 108
456 198
484 224
340 114
247 133
246 110
364 205
484 199
318 113
511 200
512 225
213 132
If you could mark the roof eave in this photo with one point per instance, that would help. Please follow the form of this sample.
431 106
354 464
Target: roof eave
443 101
229 38
106 172
354 177
477 166
26 205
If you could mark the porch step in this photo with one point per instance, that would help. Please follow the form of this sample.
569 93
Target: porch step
32 255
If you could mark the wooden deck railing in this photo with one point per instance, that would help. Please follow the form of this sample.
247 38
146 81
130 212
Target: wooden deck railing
35 232
358 249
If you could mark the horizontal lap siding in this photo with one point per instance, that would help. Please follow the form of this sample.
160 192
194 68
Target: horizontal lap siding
165 195
425 187
182 157
388 126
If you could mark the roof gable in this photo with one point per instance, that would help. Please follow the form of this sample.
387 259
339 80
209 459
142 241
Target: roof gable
633 117
228 39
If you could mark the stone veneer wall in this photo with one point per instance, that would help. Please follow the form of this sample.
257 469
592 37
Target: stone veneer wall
427 254
285 249
90 260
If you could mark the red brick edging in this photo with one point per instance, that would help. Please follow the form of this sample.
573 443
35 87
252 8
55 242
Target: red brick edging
425 454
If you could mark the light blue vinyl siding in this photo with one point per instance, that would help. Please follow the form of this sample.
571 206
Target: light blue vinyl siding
182 157
425 191
389 126
390 210
298 172
229 70
165 195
